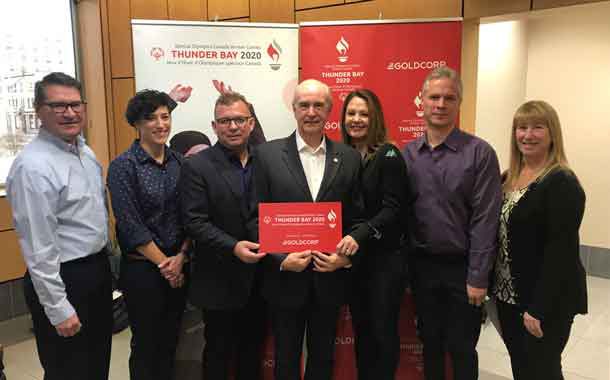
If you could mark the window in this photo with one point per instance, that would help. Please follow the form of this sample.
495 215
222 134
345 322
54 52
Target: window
24 43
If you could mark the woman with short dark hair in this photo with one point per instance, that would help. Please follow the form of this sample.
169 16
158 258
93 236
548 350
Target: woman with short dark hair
143 189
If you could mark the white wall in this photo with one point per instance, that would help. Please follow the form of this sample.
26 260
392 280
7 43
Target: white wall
567 63
501 82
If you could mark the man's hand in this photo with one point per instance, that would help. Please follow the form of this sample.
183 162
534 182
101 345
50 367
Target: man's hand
347 246
243 251
69 327
180 93
171 267
476 296
296 261
329 262
532 325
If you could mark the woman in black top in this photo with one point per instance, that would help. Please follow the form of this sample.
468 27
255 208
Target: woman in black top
143 188
539 281
378 285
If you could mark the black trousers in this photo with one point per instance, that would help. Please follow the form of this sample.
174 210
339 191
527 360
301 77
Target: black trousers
85 355
155 311
234 340
319 323
447 321
531 357
375 306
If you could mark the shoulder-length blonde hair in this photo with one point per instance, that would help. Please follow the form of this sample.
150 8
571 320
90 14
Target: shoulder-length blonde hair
377 133
542 112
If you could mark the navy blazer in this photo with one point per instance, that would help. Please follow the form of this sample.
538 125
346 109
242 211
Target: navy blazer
279 177
215 217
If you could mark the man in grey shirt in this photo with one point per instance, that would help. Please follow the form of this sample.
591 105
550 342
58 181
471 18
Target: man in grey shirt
456 207
56 192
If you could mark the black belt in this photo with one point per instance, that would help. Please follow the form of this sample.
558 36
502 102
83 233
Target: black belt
89 258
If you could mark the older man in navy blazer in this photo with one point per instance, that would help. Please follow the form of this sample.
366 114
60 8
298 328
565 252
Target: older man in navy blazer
305 289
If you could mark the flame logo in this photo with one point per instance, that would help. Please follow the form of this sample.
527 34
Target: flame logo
418 102
267 219
274 50
342 46
332 217
157 53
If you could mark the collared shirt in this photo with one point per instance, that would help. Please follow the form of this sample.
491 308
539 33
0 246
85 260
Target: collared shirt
458 197
56 192
313 161
244 172
145 199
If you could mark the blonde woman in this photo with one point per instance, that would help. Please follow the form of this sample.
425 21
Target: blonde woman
539 280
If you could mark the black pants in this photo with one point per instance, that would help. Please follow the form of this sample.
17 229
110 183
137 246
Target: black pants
375 305
234 339
155 311
319 322
531 357
447 321
85 355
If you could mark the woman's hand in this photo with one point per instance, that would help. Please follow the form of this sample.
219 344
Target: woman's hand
171 268
532 325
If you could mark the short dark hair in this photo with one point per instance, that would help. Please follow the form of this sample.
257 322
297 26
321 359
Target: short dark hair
57 79
144 103
229 98
377 133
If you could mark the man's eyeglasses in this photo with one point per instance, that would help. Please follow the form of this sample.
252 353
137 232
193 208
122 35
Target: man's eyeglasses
60 108
240 121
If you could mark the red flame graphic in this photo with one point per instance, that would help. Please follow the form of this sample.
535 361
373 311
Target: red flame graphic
273 53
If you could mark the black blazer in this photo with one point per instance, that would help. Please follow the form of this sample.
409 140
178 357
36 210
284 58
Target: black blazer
279 177
214 217
386 190
544 247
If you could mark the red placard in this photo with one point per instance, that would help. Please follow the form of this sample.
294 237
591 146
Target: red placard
292 227
390 58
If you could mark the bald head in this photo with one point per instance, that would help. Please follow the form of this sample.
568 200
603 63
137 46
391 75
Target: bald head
313 85
311 105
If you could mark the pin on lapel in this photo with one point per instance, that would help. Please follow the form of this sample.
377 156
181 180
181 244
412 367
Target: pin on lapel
335 160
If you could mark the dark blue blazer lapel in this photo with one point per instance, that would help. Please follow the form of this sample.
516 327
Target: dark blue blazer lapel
227 172
331 168
295 167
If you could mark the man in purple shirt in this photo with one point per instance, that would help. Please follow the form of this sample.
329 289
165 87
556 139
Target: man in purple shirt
457 198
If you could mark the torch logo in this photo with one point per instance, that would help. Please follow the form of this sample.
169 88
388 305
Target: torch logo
157 53
418 103
267 219
342 48
274 50
332 219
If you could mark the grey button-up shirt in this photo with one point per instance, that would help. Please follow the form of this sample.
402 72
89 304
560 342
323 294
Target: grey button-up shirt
457 199
56 192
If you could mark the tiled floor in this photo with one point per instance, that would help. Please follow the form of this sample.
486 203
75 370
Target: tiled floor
587 356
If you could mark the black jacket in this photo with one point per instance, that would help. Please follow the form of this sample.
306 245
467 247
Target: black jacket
214 216
386 189
544 247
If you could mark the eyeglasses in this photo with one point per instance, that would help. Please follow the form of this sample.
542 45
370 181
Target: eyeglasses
240 121
60 108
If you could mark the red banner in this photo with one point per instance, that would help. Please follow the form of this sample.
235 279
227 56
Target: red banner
390 58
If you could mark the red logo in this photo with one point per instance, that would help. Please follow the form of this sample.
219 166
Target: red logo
274 51
157 53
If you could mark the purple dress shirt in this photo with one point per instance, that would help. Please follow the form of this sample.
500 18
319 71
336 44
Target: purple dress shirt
457 200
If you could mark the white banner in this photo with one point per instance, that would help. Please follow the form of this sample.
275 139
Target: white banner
259 61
